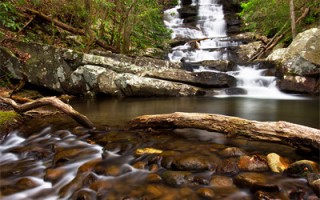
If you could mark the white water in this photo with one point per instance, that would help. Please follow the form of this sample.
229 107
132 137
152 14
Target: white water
254 82
69 140
212 27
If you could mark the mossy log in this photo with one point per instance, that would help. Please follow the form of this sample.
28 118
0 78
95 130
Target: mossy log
281 132
50 101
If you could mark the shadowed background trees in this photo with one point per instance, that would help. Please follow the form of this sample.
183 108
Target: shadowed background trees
124 25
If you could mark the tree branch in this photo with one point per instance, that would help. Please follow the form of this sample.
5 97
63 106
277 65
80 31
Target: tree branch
51 101
280 132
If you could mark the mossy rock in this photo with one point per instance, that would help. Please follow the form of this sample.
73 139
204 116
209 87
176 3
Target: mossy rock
7 120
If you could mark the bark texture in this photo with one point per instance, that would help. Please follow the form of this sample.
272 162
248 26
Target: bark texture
50 101
281 132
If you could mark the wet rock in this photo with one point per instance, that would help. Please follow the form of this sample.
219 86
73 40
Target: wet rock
301 168
219 181
197 180
154 178
199 79
262 195
255 163
205 193
176 178
191 163
219 65
26 183
229 166
154 168
154 191
255 181
66 155
148 151
299 84
140 165
276 163
54 175
188 11
235 91
19 186
89 166
84 194
231 152
101 185
314 182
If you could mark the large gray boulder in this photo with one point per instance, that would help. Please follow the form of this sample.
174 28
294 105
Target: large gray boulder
300 63
71 72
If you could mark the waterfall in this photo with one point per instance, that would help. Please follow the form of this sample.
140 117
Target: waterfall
207 40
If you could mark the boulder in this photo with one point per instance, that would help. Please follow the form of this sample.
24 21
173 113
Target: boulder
301 84
200 79
299 63
132 85
68 71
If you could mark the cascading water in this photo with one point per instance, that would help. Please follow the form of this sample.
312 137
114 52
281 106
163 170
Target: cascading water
207 40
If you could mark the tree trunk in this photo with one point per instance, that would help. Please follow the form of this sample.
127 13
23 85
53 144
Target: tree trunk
293 19
280 132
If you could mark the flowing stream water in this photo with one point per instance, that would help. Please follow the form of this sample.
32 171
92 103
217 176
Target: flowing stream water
53 158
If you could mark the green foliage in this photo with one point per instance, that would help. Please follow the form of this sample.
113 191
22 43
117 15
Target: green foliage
268 17
8 16
124 25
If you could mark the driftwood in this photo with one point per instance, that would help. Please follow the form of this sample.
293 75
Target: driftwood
52 101
281 132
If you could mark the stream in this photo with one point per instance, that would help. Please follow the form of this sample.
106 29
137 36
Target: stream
53 158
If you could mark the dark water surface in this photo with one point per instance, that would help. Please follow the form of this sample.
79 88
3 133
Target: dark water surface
56 159
109 111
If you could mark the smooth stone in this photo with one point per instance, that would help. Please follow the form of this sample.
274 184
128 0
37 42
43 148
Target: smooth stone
205 193
140 165
256 163
85 194
231 152
262 195
53 175
218 181
255 181
176 178
301 168
229 166
276 163
153 178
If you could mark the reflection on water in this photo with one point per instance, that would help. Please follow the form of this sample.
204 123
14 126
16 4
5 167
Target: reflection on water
109 111
41 162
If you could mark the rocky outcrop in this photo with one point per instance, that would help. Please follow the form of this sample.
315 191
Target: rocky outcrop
67 71
299 63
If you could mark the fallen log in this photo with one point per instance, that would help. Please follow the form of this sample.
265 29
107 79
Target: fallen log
280 132
50 101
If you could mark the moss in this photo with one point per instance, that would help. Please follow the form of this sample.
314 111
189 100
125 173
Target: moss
7 117
8 120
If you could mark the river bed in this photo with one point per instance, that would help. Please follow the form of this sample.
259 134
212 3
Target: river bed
57 159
